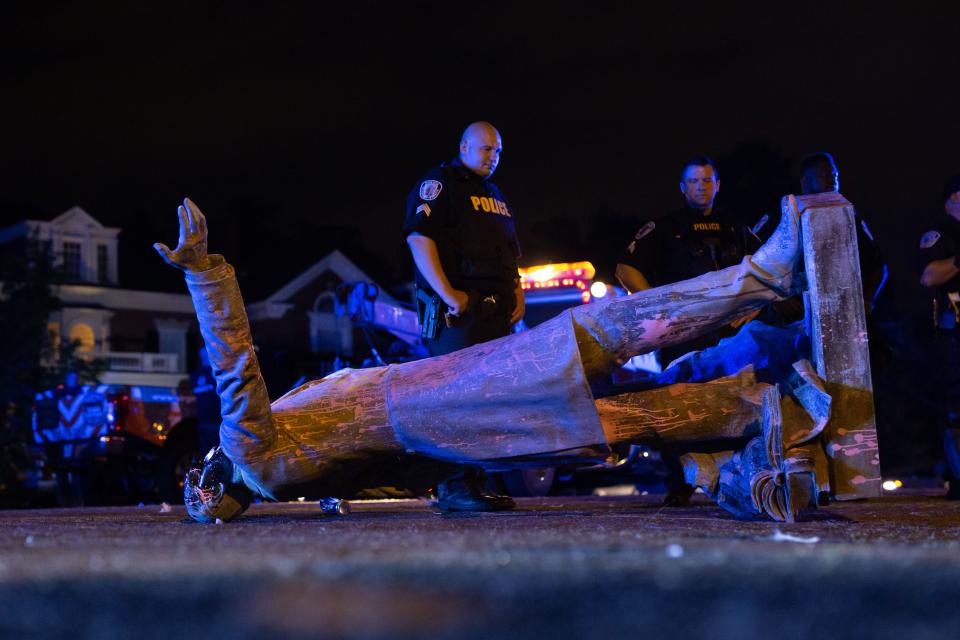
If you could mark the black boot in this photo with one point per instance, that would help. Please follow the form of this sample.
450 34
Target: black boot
466 491
951 452
678 491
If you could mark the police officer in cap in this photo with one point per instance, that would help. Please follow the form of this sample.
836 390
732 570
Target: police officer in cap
939 265
460 230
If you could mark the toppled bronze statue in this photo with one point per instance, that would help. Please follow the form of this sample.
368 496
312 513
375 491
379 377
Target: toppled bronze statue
518 400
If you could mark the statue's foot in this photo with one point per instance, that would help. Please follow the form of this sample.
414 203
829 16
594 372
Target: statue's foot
776 262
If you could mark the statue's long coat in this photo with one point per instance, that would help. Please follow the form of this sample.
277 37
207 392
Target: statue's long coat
500 403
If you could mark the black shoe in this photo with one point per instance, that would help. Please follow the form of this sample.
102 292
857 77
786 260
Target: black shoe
466 492
679 496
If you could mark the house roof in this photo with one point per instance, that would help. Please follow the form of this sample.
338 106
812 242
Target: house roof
78 218
74 219
276 304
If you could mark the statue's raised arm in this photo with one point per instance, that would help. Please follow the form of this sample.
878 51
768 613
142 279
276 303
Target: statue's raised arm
247 430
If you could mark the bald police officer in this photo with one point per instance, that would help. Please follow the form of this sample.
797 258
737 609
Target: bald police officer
460 230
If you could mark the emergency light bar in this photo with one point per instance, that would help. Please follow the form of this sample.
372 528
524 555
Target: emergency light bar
561 274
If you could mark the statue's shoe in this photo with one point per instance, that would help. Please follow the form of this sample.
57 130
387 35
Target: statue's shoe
776 262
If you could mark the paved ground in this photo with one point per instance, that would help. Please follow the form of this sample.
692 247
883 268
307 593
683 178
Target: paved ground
555 567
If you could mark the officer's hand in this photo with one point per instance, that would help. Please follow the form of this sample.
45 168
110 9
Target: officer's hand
520 308
458 301
739 322
191 251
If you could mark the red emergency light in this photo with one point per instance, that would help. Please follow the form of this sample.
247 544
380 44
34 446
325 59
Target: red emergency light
560 274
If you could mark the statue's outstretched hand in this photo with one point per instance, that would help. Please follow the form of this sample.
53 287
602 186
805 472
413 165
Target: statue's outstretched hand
191 251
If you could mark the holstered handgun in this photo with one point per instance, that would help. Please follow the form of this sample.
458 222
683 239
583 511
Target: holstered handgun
429 314
433 313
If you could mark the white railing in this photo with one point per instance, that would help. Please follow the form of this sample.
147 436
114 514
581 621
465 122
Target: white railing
136 361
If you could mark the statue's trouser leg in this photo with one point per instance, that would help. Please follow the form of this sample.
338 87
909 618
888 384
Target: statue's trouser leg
773 457
724 413
610 333
685 414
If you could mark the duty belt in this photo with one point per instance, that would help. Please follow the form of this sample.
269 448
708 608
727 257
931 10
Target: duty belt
432 312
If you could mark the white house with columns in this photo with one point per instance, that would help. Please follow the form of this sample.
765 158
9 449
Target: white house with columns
116 324
102 317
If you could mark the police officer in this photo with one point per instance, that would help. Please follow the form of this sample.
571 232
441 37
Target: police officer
461 233
460 230
939 265
819 174
685 243
207 402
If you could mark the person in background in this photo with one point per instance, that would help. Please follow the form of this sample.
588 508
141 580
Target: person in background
938 261
204 389
695 239
819 174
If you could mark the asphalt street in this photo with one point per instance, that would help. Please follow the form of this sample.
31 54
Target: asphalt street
559 567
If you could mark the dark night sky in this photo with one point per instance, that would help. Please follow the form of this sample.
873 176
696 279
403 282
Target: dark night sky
305 124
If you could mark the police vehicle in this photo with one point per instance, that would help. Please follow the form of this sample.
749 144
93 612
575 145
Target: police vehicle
110 442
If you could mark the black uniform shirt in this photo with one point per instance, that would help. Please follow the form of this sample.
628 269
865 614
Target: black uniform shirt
684 244
205 390
472 225
939 242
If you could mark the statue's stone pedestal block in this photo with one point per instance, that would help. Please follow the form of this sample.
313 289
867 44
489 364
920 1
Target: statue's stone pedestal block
838 333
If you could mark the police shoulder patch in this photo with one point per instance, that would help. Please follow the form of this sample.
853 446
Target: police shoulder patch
645 230
430 189
929 239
